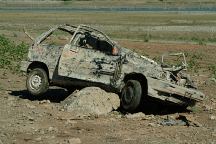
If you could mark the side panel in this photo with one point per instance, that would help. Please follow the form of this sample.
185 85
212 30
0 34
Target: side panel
47 54
87 64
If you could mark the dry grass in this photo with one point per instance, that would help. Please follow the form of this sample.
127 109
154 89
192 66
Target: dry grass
110 18
127 25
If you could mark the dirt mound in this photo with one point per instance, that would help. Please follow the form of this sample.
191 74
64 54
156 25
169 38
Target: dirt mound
91 101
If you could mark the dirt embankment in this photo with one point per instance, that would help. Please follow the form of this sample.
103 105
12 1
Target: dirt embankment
91 101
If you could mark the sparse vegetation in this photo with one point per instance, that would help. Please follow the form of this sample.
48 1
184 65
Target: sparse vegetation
193 60
121 25
212 68
147 37
200 41
11 54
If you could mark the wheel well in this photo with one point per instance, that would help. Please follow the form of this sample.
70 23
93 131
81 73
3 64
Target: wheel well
139 77
37 64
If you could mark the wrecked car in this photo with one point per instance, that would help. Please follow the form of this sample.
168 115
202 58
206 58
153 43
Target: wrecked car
88 57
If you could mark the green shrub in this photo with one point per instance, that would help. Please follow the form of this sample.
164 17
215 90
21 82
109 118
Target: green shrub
146 37
199 40
11 54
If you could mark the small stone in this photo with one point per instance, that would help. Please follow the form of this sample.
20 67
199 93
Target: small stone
66 132
30 118
152 125
207 108
40 131
129 139
212 117
44 102
30 106
136 115
74 141
118 116
40 115
62 109
213 100
71 122
213 80
52 129
38 139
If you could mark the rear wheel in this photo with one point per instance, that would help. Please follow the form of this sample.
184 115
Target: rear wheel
37 82
131 95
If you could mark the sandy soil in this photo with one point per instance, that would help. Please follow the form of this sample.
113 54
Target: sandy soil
24 119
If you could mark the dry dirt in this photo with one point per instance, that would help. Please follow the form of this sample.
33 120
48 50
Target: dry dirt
24 119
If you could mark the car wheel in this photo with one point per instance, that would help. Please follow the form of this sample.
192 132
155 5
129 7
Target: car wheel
37 82
131 95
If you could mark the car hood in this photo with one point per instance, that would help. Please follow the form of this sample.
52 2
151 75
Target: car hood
135 63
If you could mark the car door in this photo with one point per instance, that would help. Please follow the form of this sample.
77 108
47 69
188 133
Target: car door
86 63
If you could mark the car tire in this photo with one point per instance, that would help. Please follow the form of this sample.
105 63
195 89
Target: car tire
37 82
131 95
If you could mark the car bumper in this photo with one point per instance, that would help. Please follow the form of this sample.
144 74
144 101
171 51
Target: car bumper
173 93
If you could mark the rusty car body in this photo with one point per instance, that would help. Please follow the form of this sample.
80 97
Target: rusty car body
91 58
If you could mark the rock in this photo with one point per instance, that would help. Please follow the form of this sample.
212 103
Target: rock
44 102
71 122
207 108
172 122
210 81
61 109
30 106
213 100
91 101
139 115
30 118
213 80
74 141
212 117
41 131
153 125
116 114
38 139
180 120
189 120
1 142
52 129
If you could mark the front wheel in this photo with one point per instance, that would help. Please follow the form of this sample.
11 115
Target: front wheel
37 82
131 95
